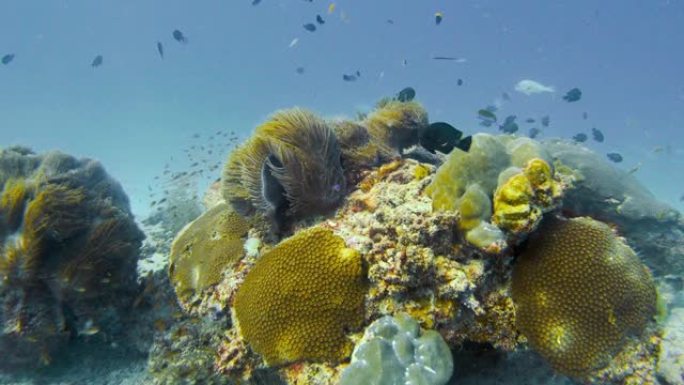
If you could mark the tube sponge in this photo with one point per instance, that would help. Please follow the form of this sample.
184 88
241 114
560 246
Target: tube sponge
394 351
580 294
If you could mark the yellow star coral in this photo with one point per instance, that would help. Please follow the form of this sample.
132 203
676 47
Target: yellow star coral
580 293
202 250
301 298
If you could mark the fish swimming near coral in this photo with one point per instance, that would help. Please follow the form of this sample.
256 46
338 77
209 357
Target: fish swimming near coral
97 61
160 49
580 138
349 78
443 137
597 135
546 120
406 95
573 95
179 36
614 157
534 132
7 58
311 27
319 19
509 126
487 117
531 87
438 18
459 82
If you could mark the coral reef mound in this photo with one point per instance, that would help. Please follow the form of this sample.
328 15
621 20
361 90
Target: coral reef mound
580 294
68 253
301 298
204 249
394 351
289 169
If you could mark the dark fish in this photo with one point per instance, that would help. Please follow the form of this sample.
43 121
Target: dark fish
406 95
7 58
319 19
178 35
459 82
545 121
311 27
348 78
573 95
300 70
390 21
534 132
614 156
585 116
162 201
97 61
509 126
438 18
256 2
597 134
160 49
443 137
529 120
486 114
450 58
505 96
580 138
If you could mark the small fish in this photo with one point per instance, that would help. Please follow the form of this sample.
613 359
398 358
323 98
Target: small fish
161 201
459 82
256 2
658 149
486 114
545 120
404 62
438 18
580 138
331 8
585 116
7 58
506 97
573 95
443 137
406 95
153 203
358 73
311 27
97 61
179 36
90 331
634 169
614 157
319 19
294 42
531 87
509 126
597 135
529 120
390 21
534 132
300 70
160 49
349 78
459 60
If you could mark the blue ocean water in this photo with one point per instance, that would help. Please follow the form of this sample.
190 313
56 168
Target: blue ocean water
137 111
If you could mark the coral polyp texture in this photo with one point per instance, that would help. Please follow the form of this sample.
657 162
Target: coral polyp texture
396 124
520 201
289 169
301 298
511 174
581 293
68 253
204 249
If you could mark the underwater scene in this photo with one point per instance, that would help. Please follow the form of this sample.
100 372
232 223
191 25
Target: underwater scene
341 192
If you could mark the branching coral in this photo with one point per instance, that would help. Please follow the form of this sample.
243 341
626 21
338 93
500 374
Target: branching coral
301 298
580 294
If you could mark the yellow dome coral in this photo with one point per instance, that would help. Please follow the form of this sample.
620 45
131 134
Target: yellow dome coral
580 292
301 298
204 248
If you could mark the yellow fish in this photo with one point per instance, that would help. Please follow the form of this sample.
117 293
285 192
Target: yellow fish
331 8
